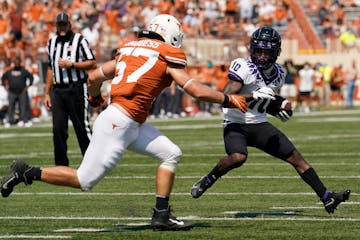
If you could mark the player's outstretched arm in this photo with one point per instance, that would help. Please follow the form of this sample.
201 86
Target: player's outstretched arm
204 93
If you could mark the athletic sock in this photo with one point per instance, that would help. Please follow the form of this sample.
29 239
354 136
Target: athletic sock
313 180
162 202
33 173
214 174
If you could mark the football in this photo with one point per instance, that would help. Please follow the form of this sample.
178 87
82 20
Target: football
279 104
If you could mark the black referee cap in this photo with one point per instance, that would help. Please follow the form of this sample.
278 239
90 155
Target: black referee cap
62 18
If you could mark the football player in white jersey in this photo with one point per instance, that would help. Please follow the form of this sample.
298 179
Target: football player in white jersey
260 78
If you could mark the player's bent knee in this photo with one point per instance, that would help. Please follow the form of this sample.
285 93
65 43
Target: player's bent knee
88 181
172 159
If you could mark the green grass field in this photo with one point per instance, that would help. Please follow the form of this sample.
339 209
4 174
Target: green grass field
264 199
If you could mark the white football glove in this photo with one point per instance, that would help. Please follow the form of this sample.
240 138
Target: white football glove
284 115
263 93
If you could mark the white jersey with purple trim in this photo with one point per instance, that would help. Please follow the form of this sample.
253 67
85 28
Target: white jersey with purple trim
246 72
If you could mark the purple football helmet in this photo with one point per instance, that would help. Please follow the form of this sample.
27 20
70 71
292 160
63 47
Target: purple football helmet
265 47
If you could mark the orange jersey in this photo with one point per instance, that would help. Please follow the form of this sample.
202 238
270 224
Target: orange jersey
141 76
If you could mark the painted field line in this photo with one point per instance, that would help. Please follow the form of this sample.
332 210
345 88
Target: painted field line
312 207
122 227
194 155
65 230
210 164
174 193
23 236
234 177
195 218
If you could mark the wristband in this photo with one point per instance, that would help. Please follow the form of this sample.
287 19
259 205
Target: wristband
102 72
187 82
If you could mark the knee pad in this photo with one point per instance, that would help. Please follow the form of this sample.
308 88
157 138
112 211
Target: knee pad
171 160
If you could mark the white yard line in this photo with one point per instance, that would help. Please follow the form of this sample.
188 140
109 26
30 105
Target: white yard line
235 177
195 218
23 236
174 193
194 155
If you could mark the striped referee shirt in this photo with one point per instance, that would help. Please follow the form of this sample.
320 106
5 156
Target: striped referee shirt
77 49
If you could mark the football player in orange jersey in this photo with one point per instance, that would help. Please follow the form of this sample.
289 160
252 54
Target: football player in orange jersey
141 69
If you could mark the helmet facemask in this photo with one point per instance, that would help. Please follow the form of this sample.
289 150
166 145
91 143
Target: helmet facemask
265 47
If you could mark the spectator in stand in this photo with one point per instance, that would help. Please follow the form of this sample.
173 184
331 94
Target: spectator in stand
327 26
17 80
348 40
88 13
211 9
350 77
15 49
36 9
190 106
326 72
306 75
323 13
16 20
91 33
318 93
192 24
175 107
248 26
4 29
222 77
338 13
149 12
48 15
209 73
355 23
266 13
113 20
255 13
160 105
281 15
5 9
289 89
231 10
193 4
165 6
189 23
336 84
180 6
221 81
246 9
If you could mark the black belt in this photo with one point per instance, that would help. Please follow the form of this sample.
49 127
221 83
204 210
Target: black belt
70 85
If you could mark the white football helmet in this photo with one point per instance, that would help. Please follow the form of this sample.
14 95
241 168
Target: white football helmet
169 28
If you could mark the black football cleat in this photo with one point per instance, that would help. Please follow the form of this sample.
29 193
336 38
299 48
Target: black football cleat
162 220
201 186
334 199
15 176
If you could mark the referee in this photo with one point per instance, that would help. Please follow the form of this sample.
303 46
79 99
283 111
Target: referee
66 88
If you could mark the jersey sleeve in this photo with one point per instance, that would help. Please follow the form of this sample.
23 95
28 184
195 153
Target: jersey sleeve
174 55
237 70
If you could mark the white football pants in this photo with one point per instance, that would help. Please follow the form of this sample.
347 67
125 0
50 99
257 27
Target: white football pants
113 133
